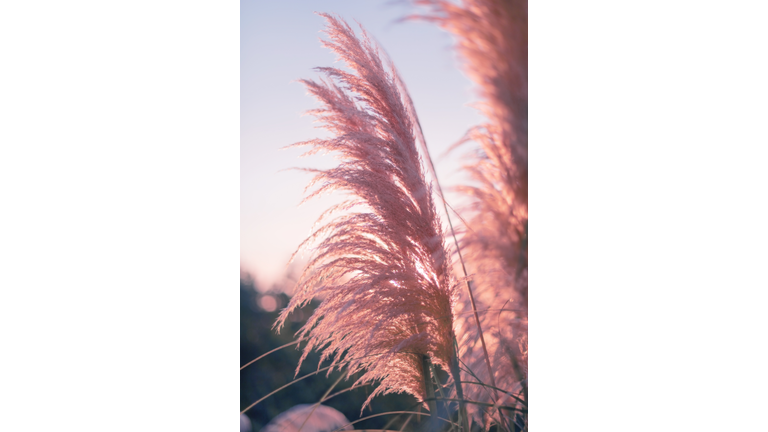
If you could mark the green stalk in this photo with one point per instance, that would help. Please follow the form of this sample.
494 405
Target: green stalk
456 374
425 363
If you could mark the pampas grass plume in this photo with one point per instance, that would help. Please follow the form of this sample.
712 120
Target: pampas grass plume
381 268
492 40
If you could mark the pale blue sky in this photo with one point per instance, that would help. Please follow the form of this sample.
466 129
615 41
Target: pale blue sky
279 44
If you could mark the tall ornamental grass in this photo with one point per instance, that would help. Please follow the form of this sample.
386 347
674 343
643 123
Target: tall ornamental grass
492 42
381 268
391 310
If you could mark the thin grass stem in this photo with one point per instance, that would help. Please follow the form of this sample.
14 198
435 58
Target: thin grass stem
458 250
287 385
322 399
266 354
430 390
406 423
377 415
439 387
496 388
456 374
485 404
501 416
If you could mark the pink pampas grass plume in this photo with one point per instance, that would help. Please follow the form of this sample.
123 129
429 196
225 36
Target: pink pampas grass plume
381 267
492 40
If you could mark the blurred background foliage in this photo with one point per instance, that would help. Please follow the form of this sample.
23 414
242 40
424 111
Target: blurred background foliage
258 312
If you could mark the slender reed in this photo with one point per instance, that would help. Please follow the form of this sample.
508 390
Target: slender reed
468 283
492 39
381 267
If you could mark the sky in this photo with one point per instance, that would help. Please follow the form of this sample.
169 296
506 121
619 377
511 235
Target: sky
279 44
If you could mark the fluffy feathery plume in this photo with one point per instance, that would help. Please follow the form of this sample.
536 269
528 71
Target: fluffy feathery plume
381 267
492 39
